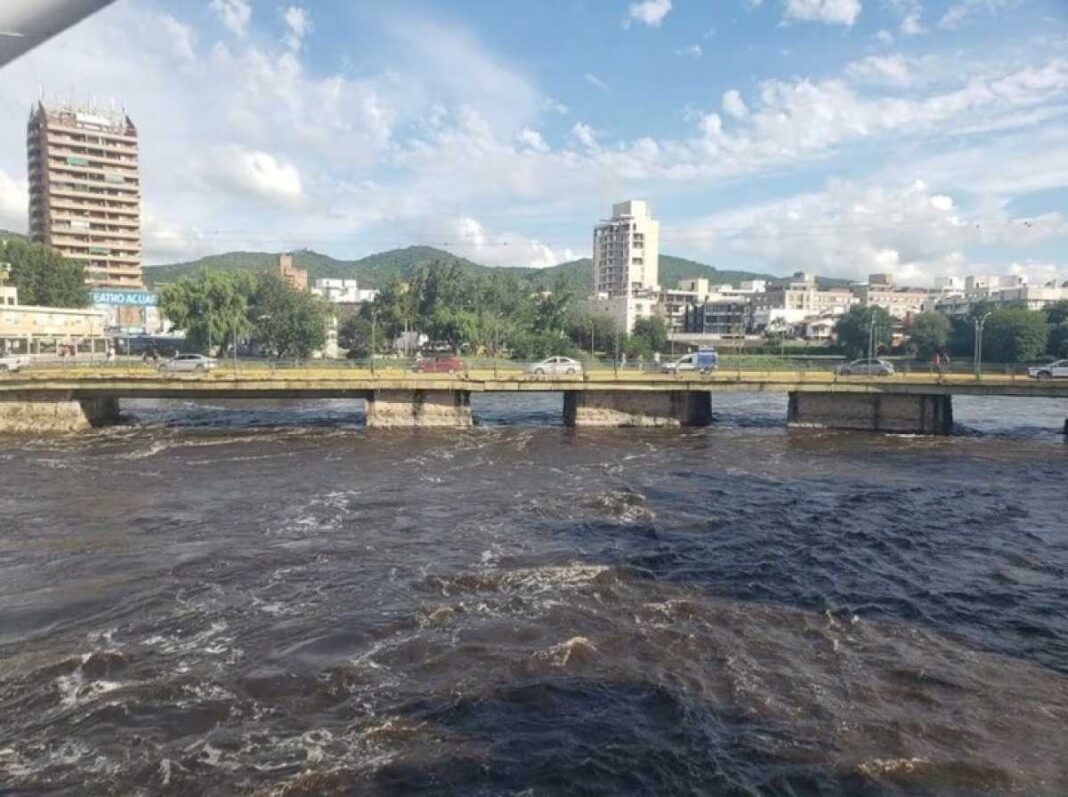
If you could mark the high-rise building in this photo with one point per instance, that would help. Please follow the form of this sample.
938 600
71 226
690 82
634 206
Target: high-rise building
295 278
85 191
626 251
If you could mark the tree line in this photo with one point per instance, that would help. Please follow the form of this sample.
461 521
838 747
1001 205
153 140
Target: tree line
1011 334
43 277
217 308
497 313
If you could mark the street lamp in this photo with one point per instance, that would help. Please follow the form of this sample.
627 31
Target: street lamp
374 322
871 342
979 324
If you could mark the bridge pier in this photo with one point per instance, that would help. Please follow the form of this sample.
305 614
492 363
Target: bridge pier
47 414
872 412
609 408
419 409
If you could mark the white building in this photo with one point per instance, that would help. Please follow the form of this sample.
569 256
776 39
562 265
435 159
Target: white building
342 291
626 251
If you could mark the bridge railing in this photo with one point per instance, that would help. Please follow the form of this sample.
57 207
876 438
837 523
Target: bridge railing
739 365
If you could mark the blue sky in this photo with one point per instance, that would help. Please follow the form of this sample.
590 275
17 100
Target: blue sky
840 136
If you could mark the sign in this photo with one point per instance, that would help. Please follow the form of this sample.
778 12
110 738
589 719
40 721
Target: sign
117 297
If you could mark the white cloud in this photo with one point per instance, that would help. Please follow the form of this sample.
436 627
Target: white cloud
959 12
585 135
853 230
182 38
532 139
234 14
473 241
734 105
14 203
690 51
911 13
595 81
832 12
648 12
254 172
881 69
299 24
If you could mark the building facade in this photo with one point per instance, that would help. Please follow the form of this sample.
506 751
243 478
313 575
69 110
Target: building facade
342 291
85 191
626 251
295 278
26 329
722 318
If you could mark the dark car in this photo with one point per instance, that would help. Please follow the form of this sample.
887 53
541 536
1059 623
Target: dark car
441 365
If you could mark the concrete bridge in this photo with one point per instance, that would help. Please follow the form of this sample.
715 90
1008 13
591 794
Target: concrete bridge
72 399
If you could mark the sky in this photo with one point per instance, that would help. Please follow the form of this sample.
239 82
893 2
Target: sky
916 137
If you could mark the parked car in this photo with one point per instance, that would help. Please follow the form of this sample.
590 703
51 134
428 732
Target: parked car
1056 370
12 363
556 366
866 368
703 360
441 365
195 363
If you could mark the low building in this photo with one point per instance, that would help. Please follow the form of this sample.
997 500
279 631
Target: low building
342 291
881 291
624 311
723 318
295 278
673 305
799 298
28 329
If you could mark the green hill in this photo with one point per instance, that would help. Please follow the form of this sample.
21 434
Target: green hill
374 271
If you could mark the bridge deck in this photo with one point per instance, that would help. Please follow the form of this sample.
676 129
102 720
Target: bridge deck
311 382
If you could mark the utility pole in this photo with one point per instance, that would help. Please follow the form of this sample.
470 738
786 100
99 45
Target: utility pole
615 365
235 345
979 324
496 341
374 321
871 342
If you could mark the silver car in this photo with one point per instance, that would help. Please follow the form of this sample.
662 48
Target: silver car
12 363
557 366
866 368
192 363
1057 370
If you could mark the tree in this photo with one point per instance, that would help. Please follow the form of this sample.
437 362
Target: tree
1057 313
855 327
44 277
288 323
592 331
650 335
1014 335
929 333
211 307
1058 340
354 335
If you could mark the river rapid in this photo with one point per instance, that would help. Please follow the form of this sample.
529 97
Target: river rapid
268 598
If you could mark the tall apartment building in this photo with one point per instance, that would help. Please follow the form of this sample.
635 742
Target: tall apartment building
295 278
626 251
85 192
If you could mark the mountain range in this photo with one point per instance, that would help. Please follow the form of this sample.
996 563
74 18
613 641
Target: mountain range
374 271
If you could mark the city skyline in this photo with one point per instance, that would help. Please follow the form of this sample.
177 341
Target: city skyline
840 137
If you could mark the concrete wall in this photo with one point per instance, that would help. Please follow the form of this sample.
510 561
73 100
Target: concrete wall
20 417
596 408
907 414
410 409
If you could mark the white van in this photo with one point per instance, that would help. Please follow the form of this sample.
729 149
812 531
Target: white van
703 360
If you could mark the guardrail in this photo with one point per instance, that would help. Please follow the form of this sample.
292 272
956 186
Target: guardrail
739 365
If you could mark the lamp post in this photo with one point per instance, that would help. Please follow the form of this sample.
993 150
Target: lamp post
496 341
374 322
615 364
979 324
871 342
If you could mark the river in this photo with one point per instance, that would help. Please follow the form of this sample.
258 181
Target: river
268 598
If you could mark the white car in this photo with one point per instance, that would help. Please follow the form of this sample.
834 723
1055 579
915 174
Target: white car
1057 370
557 366
12 363
195 363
